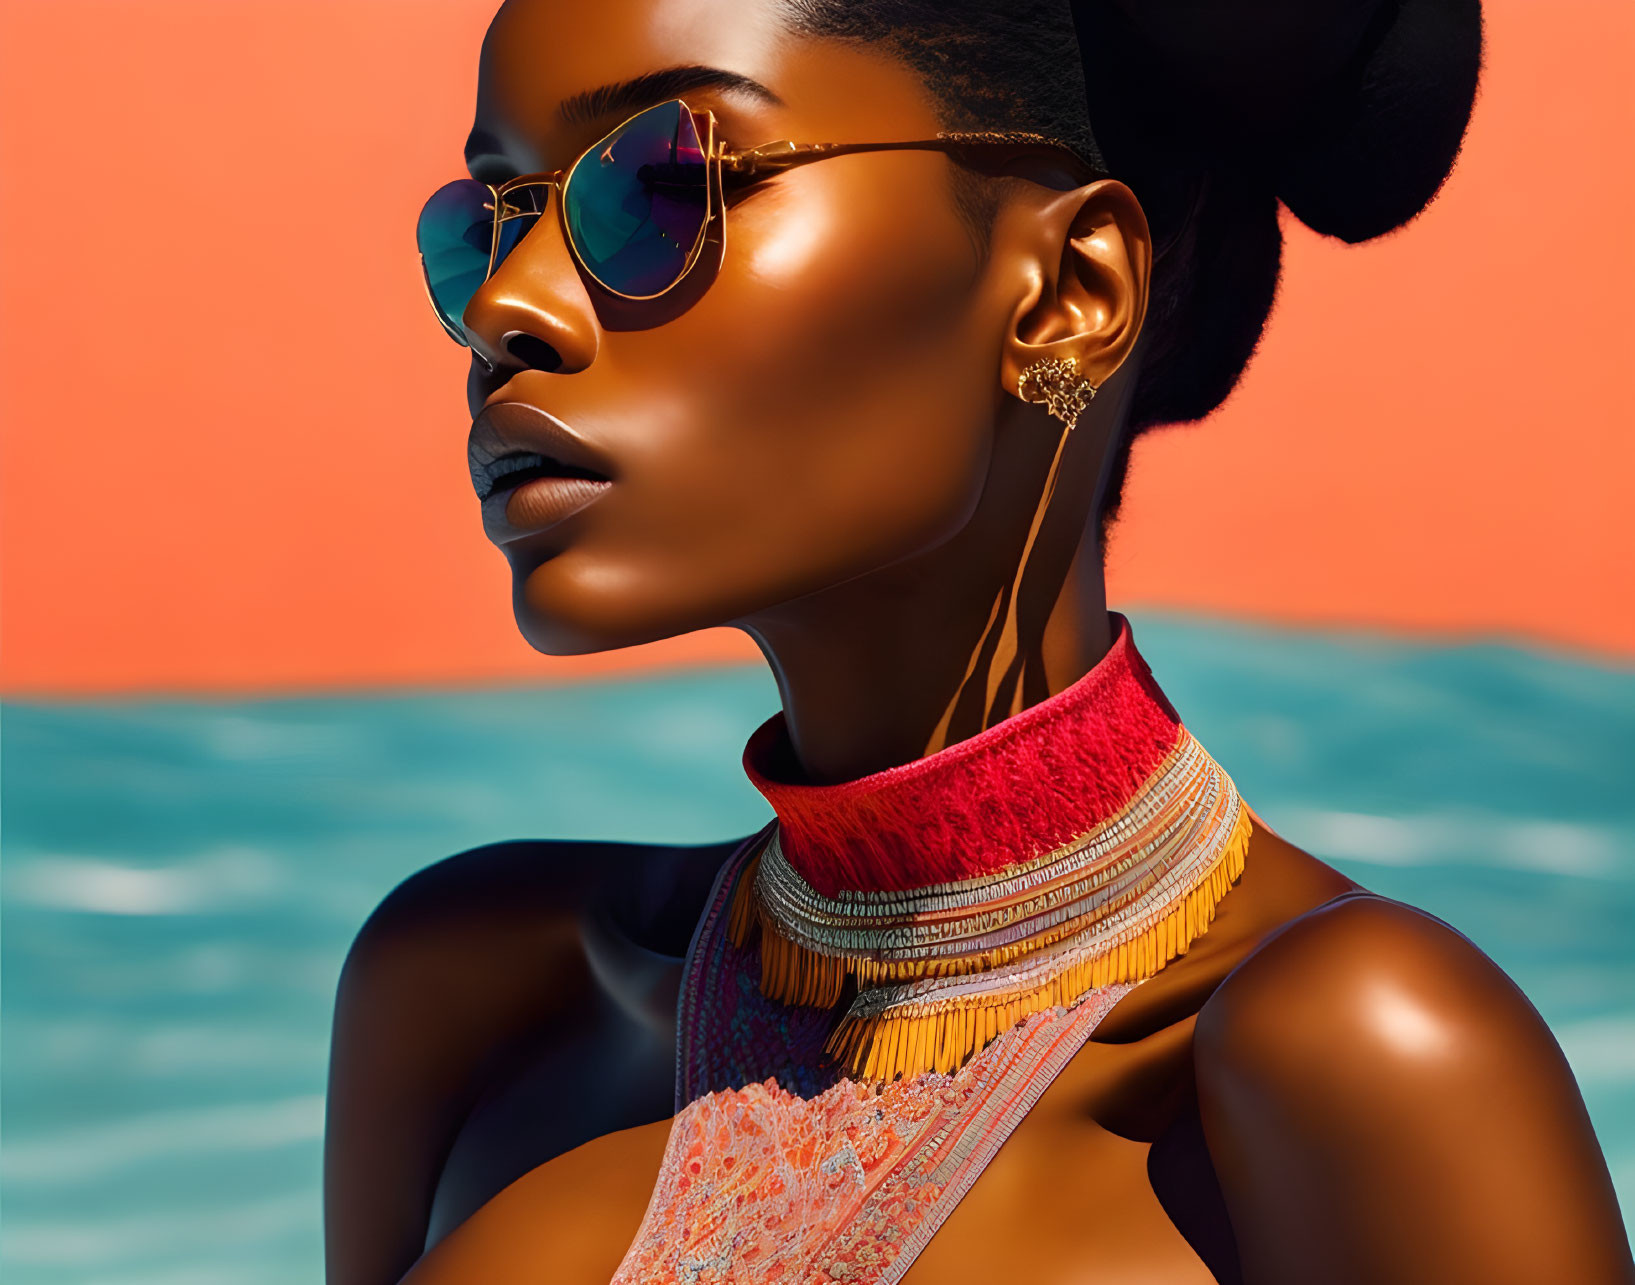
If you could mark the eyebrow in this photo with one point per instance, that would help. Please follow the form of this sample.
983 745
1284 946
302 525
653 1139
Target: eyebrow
625 99
630 96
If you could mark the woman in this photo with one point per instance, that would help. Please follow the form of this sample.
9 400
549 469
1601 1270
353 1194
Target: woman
1016 986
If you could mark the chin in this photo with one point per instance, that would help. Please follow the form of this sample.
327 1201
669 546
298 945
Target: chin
564 607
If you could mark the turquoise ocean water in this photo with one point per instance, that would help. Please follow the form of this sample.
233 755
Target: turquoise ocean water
181 880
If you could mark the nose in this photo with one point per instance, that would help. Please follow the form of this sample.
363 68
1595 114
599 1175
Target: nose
534 313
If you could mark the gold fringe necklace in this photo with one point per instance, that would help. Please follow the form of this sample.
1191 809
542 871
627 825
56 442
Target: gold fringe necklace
940 970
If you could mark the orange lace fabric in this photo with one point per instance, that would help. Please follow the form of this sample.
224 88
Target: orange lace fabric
760 1185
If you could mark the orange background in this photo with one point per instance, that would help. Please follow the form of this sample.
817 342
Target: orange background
1434 435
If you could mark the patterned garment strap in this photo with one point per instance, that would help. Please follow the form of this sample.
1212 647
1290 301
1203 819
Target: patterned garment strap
729 1033
850 1185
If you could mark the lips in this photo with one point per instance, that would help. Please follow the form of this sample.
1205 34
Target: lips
531 470
510 471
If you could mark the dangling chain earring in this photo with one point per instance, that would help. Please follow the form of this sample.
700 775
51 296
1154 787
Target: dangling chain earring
1056 382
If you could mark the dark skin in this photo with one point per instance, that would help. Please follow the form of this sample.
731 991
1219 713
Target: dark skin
821 445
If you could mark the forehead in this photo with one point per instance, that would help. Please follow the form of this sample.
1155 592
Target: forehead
543 62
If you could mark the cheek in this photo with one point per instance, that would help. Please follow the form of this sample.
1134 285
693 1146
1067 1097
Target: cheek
848 287
839 397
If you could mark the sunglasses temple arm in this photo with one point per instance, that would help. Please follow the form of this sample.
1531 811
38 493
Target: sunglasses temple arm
775 158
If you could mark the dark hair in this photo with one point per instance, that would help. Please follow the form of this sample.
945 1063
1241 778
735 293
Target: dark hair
1348 112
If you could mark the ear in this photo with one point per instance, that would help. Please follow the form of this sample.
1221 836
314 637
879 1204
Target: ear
1086 259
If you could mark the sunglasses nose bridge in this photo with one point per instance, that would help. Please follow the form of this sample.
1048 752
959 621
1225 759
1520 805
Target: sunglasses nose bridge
533 299
529 197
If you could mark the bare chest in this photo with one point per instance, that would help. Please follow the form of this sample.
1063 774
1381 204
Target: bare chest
1065 1197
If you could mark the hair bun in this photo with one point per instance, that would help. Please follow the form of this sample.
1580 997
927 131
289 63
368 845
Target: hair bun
1385 147
1350 111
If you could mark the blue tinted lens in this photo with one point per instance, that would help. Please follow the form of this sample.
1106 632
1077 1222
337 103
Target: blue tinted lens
455 234
637 203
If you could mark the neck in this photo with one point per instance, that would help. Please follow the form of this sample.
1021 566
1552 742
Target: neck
899 664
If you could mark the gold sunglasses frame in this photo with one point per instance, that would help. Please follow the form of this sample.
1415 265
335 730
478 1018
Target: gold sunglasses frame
746 166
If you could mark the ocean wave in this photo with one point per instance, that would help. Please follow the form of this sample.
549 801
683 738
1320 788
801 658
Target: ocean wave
159 1138
1601 1050
223 878
101 1243
158 1049
1548 846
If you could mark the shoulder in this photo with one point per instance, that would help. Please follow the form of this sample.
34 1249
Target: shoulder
459 967
503 934
1361 973
543 887
501 939
1374 1090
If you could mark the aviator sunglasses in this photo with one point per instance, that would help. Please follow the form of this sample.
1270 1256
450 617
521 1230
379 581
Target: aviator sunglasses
637 205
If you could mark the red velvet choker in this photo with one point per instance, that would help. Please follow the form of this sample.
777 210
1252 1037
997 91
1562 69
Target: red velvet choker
1013 792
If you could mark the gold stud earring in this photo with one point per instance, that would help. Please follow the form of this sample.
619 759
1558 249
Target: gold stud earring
1056 383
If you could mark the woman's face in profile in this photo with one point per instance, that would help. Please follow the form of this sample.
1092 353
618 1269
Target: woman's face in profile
819 407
